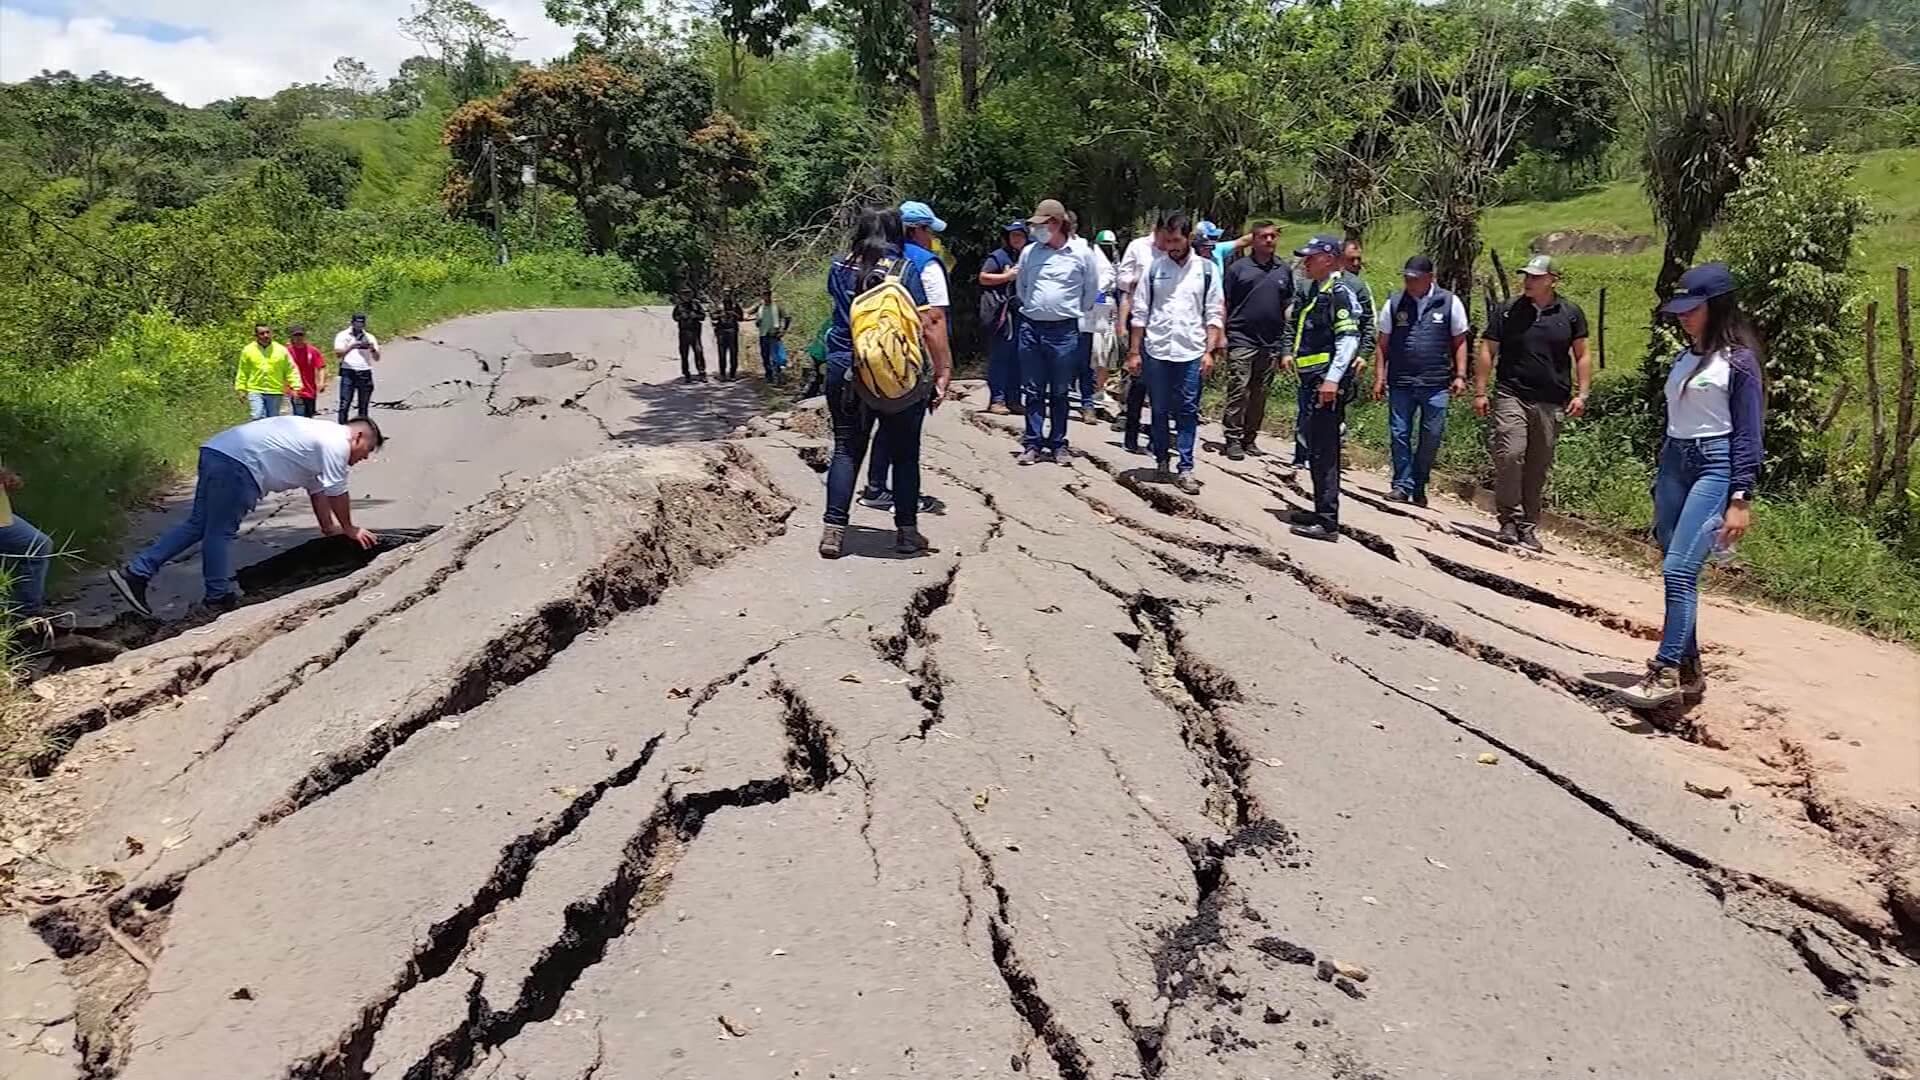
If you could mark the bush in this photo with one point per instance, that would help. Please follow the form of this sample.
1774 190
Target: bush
1789 239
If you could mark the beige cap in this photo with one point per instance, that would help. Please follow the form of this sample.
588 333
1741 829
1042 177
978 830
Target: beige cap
1047 211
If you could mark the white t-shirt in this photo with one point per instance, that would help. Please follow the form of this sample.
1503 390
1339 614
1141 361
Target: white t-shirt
1134 262
1706 407
1456 315
287 452
356 360
933 280
1175 304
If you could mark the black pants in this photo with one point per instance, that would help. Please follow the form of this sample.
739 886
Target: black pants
853 430
302 406
1323 443
691 347
1135 404
356 384
879 463
728 347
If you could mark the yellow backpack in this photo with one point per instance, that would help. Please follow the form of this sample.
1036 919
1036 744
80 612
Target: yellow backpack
889 361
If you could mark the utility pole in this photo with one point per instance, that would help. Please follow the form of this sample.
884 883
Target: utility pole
493 185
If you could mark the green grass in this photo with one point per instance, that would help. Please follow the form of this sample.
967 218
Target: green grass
101 437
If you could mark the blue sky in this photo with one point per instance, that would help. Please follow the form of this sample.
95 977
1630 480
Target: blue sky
198 51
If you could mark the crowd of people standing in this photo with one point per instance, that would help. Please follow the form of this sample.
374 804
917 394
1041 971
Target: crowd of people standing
1059 314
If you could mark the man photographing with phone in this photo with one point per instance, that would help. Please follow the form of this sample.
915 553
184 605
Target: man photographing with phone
358 351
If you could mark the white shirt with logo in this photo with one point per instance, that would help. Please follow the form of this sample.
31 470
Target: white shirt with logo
1175 303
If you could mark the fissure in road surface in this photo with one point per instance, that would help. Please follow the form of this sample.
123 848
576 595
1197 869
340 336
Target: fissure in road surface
638 885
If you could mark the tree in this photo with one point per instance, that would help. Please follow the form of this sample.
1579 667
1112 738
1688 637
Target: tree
100 130
966 19
924 68
605 25
353 76
1720 77
635 143
1476 104
470 43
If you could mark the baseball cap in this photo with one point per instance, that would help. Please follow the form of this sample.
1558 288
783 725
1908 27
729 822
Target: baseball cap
296 330
1207 230
1047 211
1417 266
1699 285
1540 264
919 213
1105 236
1014 226
1321 244
358 316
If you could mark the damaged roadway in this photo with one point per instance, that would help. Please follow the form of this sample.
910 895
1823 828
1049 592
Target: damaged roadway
611 776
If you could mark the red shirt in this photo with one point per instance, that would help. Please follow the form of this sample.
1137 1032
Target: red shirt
311 362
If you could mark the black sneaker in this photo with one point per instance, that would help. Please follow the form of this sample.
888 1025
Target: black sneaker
1316 531
1138 449
1530 539
1420 500
1186 483
928 504
132 588
1398 496
1119 424
1254 451
909 542
1235 452
212 608
1162 474
1509 533
877 500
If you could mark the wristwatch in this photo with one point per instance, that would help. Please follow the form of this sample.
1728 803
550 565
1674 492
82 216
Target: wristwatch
1737 496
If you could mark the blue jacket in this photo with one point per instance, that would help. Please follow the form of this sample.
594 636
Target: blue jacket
842 287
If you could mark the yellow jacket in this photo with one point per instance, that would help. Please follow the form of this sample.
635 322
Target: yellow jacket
270 372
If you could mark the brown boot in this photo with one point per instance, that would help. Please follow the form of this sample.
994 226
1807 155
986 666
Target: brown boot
832 539
1659 689
999 408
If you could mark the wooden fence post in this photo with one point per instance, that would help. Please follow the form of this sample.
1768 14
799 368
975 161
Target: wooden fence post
1903 404
1499 274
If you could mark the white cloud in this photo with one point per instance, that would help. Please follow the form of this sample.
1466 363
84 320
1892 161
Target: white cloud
235 48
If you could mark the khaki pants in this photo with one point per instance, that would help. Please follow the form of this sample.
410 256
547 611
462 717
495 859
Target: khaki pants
1249 377
1523 436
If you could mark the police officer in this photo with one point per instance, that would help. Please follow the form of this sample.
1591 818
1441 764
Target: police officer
1326 340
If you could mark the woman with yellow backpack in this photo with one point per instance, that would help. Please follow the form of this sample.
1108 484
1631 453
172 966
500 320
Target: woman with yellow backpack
879 373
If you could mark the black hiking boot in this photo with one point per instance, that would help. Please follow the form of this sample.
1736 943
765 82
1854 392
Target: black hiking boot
1509 533
1530 539
909 542
1235 452
1318 530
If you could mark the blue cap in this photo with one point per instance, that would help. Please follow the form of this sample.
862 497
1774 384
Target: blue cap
919 213
1019 226
1208 230
1323 244
1699 285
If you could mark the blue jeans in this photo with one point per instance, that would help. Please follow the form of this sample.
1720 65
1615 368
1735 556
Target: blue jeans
767 366
1173 391
223 496
1689 506
853 429
1085 375
356 387
260 406
1048 353
1303 422
1413 460
25 553
1003 365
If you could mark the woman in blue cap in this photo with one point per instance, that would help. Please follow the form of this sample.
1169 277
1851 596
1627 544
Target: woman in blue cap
1716 401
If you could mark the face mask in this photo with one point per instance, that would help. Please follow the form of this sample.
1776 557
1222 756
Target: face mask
1043 234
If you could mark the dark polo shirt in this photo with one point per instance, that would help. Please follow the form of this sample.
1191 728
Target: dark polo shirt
1534 348
1257 300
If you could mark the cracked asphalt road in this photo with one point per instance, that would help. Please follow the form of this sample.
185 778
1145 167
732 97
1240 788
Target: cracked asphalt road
611 776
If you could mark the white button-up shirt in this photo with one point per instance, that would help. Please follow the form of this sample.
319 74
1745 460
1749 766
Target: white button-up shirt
1057 283
1175 303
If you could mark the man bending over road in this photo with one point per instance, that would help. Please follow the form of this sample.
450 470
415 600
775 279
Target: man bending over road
238 466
